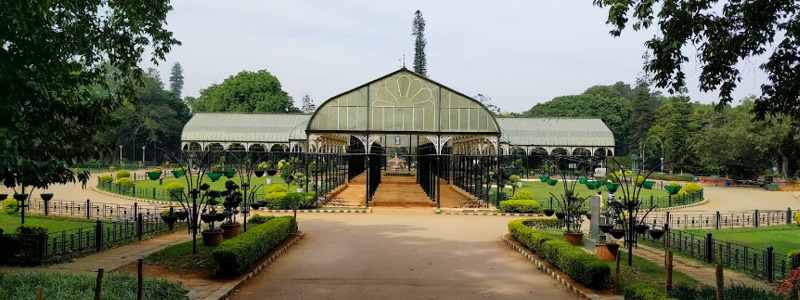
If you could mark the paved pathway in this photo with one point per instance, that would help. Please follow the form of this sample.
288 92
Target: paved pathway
730 199
402 254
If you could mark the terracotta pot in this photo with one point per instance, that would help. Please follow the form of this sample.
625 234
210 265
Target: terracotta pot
606 251
574 238
212 238
230 230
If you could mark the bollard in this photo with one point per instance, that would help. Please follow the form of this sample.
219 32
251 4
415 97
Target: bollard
769 267
139 226
709 248
755 218
98 235
716 222
788 216
88 209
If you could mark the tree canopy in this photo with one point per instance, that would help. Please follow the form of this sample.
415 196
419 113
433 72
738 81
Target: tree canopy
418 31
55 59
176 79
257 92
726 33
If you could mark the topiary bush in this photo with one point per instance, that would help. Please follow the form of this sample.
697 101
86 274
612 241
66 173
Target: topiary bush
793 259
123 174
277 189
175 188
106 178
692 188
287 200
674 183
236 255
112 168
9 206
259 219
523 195
641 291
273 196
124 182
579 265
521 206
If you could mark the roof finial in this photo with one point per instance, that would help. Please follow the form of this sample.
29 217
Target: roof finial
404 59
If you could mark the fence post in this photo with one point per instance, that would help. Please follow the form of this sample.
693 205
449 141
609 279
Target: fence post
651 200
755 218
769 266
154 193
709 248
788 216
717 221
135 209
139 223
134 189
98 235
88 209
172 213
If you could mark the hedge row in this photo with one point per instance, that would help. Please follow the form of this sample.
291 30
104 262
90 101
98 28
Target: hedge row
520 206
581 266
641 291
235 255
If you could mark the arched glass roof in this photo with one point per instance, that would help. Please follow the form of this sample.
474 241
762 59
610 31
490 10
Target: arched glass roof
555 132
236 127
403 101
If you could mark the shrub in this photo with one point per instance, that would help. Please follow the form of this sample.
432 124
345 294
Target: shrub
641 291
174 165
523 195
106 178
544 223
793 259
639 180
797 217
123 174
235 255
10 206
174 188
791 286
277 189
59 285
31 229
112 168
682 193
674 183
734 291
692 188
259 219
581 266
124 182
522 206
287 200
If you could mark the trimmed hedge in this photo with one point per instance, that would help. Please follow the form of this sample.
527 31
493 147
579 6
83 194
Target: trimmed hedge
523 195
287 200
581 266
641 291
236 255
123 174
259 219
793 259
522 206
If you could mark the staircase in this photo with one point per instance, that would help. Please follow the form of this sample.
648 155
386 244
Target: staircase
355 194
400 191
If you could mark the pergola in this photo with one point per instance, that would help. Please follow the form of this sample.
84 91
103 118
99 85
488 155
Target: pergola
458 140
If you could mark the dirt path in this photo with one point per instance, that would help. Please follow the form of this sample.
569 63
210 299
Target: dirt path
731 199
402 254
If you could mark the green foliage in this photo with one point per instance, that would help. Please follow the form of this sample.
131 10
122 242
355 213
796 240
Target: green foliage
692 188
642 291
673 183
53 90
579 265
276 189
123 174
521 206
289 200
287 172
64 286
112 168
236 255
669 177
418 31
31 229
251 92
523 195
639 180
797 218
791 286
300 179
176 79
9 206
174 187
259 219
106 178
793 259
732 291
124 182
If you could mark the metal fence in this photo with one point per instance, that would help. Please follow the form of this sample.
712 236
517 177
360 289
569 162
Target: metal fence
153 193
761 263
721 220
96 209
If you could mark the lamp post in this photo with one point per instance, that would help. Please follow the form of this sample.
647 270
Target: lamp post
143 161
120 154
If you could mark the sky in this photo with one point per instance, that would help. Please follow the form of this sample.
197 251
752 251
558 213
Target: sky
519 53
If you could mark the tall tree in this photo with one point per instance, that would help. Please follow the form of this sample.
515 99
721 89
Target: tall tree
644 104
176 79
308 104
676 127
418 31
726 33
245 92
54 62
487 101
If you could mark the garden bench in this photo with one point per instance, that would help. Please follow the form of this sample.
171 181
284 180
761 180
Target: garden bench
771 186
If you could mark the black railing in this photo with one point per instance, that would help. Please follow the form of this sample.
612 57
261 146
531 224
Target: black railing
721 220
158 194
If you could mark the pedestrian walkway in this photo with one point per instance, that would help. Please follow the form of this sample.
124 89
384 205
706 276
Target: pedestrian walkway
705 273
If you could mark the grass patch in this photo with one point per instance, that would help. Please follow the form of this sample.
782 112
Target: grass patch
9 223
649 273
63 286
782 238
541 191
179 258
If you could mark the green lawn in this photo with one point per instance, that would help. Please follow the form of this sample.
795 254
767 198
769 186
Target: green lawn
179 258
9 223
217 185
782 238
541 191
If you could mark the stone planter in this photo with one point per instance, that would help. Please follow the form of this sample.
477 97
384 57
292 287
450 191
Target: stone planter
574 238
212 238
606 251
230 230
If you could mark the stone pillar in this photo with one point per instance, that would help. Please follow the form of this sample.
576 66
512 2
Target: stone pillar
594 229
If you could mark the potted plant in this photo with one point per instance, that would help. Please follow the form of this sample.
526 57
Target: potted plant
46 196
656 233
552 182
606 249
605 228
182 215
641 228
260 169
233 198
301 181
544 178
155 174
169 217
230 173
549 212
561 215
212 236
271 170
617 233
21 197
179 172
